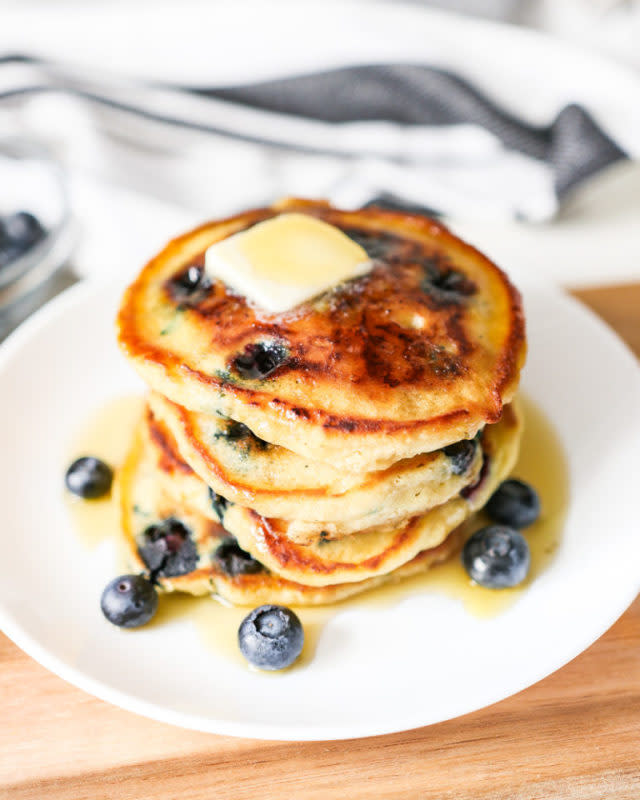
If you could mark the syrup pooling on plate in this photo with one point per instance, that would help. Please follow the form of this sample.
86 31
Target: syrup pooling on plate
107 435
541 463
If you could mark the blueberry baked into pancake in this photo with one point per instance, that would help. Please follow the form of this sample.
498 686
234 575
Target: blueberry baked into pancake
332 397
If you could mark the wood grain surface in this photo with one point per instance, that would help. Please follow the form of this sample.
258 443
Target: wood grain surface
573 736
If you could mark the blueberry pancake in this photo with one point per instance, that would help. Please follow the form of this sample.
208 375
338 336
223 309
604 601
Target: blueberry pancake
353 558
314 497
187 552
377 551
179 481
417 353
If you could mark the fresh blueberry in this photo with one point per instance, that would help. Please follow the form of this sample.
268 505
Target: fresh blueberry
168 549
219 504
129 601
190 286
233 560
497 557
461 454
89 477
260 360
271 637
514 503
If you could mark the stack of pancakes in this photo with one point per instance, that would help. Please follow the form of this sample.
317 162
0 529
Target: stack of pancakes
305 456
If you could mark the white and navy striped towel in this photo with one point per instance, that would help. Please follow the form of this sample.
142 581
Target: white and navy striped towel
406 135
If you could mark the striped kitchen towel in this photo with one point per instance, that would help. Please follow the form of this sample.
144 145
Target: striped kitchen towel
402 135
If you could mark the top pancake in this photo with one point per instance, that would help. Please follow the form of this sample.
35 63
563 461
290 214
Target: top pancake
418 353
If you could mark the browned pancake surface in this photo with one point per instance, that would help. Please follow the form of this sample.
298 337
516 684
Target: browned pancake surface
414 355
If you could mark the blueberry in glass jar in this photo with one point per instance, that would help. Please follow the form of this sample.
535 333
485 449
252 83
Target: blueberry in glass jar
19 232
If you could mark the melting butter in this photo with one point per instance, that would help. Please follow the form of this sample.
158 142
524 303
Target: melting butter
286 260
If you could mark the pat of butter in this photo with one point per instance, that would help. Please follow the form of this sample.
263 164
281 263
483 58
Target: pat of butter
286 260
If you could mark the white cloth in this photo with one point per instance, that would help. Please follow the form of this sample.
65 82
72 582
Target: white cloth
134 197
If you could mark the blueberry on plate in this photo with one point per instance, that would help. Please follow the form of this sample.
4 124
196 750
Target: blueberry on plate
129 601
497 557
271 637
89 477
514 503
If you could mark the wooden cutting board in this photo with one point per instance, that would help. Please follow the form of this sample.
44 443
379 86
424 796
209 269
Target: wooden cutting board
575 735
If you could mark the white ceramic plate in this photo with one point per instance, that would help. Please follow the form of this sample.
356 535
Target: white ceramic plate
375 670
